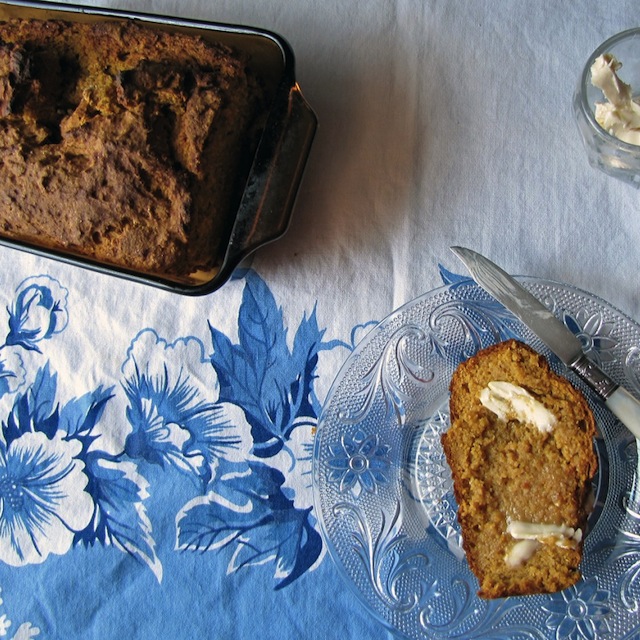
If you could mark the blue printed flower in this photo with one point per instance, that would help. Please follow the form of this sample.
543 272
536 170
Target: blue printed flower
39 312
42 498
359 463
173 410
159 439
579 613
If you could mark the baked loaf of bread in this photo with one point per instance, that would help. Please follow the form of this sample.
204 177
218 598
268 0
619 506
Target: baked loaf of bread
122 143
521 455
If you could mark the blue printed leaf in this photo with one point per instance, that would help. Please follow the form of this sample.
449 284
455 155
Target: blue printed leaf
261 326
80 415
238 379
273 386
306 344
257 518
120 518
298 542
449 277
35 409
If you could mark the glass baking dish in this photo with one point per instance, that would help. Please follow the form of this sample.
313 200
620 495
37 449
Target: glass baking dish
266 203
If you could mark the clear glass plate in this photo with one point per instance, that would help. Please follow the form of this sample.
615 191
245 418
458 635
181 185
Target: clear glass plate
383 490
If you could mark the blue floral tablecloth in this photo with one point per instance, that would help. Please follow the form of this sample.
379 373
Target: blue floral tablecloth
142 492
156 450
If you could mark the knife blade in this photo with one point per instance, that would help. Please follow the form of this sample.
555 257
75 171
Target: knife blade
553 332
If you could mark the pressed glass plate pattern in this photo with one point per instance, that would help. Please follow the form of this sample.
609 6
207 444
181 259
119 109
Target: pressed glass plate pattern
383 490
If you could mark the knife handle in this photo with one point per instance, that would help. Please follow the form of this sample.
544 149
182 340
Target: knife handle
617 399
626 408
594 376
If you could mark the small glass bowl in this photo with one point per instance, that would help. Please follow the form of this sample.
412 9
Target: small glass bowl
604 151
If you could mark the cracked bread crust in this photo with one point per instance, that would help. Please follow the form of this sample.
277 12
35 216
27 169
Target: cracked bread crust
121 143
505 471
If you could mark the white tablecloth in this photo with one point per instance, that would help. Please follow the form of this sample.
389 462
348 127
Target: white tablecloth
440 123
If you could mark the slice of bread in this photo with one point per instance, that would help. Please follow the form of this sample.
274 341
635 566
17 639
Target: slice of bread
522 470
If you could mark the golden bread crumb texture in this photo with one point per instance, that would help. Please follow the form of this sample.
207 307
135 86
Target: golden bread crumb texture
121 143
511 476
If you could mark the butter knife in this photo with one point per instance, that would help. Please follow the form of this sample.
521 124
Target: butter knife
552 331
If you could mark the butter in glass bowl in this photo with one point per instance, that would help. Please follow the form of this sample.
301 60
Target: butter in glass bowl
607 107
